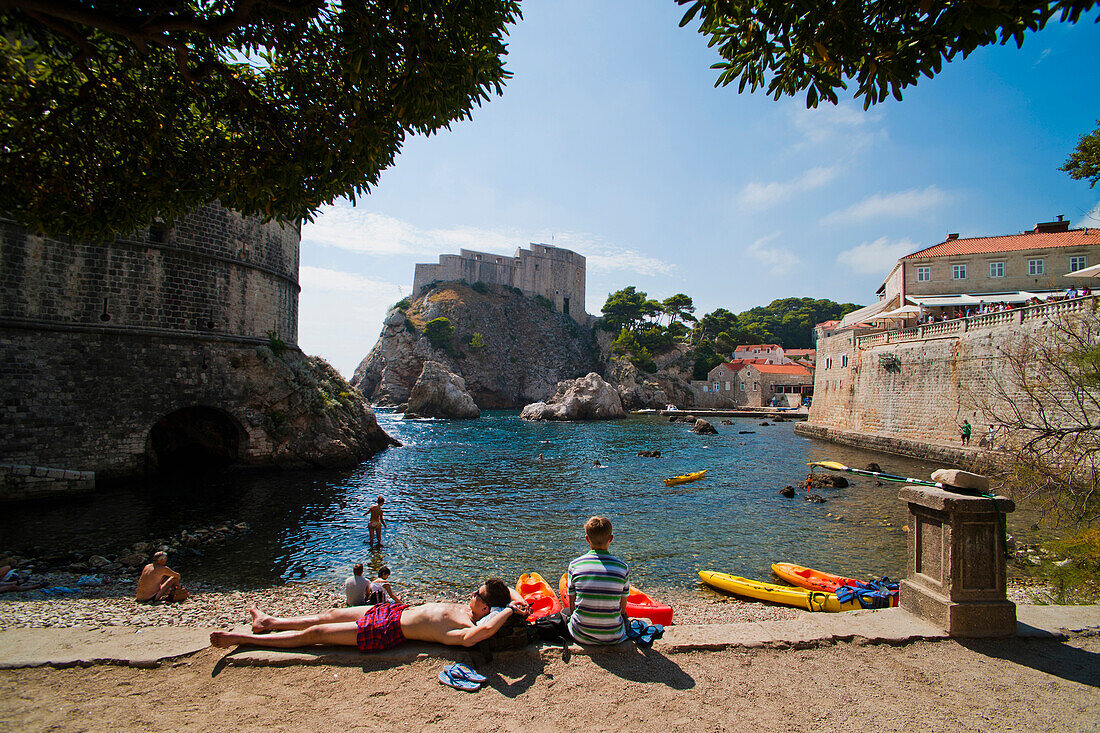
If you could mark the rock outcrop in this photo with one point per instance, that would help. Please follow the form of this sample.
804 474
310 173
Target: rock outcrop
510 349
703 427
440 393
309 413
670 384
586 398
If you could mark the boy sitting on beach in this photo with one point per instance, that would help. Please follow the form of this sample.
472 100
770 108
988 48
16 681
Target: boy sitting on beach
598 588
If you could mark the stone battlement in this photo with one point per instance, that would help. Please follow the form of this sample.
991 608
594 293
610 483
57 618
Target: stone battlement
919 384
554 273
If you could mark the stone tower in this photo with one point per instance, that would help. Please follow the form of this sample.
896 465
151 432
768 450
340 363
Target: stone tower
124 356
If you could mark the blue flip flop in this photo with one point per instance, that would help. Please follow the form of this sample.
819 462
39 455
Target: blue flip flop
458 669
653 631
446 678
635 628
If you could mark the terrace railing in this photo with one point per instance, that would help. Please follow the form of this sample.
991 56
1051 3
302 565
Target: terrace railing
956 326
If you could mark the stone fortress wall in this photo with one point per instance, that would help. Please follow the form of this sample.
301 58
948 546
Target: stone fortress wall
100 341
904 391
554 273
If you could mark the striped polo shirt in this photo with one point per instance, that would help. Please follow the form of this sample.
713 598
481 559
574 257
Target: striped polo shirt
600 581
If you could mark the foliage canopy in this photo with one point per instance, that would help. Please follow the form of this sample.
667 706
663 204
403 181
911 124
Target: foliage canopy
1084 161
113 113
882 45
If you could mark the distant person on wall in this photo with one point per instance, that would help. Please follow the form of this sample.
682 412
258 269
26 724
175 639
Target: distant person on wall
158 582
380 588
375 521
966 431
598 589
356 586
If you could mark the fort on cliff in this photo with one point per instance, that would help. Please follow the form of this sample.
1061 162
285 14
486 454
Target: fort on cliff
154 350
551 272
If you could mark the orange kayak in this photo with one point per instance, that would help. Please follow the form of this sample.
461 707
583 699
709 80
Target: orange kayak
638 604
539 595
811 579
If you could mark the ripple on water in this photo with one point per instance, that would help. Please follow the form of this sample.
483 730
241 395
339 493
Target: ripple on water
465 499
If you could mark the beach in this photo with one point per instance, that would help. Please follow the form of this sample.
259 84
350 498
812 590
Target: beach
1008 685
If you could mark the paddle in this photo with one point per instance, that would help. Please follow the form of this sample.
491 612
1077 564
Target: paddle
834 466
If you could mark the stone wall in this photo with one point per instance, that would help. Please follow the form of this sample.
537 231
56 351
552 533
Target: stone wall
175 326
211 272
917 386
554 273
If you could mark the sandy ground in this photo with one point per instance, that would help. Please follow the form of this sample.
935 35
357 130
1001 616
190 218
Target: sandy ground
1011 685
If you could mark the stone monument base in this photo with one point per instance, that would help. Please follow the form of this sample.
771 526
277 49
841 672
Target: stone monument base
969 619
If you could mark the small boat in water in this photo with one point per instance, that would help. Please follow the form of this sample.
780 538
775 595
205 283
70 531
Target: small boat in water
687 477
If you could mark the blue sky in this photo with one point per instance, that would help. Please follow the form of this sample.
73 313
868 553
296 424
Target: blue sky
612 141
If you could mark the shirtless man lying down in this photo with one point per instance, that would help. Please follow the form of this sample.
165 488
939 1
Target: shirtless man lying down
385 625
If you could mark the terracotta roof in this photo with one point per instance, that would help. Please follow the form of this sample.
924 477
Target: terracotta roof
743 347
827 324
800 352
736 364
782 369
1009 243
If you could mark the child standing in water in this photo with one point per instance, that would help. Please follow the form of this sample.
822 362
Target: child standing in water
375 521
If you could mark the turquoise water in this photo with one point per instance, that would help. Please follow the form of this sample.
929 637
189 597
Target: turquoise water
466 499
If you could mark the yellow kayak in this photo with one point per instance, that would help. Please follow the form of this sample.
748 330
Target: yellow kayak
685 478
811 600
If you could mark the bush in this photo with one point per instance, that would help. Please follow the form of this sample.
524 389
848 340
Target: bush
439 332
480 287
276 344
403 304
476 341
627 344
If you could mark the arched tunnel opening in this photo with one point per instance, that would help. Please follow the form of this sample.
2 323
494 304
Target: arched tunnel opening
195 440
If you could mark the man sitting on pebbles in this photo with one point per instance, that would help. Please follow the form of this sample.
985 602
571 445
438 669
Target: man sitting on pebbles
385 625
158 582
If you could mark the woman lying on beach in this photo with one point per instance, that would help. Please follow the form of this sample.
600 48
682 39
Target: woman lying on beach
385 625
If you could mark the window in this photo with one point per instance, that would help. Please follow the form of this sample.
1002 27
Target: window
1077 263
996 269
1035 267
756 386
958 272
716 386
742 386
924 273
727 386
844 361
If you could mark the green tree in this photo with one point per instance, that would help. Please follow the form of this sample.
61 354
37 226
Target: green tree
113 113
624 309
439 332
884 47
1084 161
677 307
627 344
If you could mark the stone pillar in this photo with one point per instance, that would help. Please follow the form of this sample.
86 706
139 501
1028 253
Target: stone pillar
957 564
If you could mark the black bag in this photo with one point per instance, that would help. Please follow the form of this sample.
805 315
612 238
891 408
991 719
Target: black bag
551 628
515 634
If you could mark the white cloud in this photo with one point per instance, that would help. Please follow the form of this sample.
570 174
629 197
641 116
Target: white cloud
760 195
1091 219
777 258
904 203
829 122
876 257
340 314
345 227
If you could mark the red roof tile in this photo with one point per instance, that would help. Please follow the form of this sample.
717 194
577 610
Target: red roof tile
744 347
799 352
1009 243
736 364
782 369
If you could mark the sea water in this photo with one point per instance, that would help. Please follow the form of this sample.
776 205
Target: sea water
466 499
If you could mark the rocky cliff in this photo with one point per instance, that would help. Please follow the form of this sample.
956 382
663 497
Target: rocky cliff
511 350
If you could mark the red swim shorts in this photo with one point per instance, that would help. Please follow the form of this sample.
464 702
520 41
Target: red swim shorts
380 627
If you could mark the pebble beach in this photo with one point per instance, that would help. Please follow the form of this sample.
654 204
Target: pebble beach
112 604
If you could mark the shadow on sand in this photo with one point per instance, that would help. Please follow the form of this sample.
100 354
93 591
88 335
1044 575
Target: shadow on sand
638 665
1050 656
